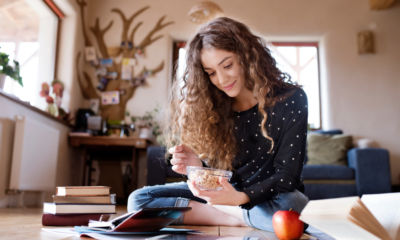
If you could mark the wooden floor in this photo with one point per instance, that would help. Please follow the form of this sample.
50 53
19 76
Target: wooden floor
20 223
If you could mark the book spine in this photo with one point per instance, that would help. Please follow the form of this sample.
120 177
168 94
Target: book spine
68 220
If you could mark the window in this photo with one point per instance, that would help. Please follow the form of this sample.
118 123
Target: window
178 59
299 60
28 33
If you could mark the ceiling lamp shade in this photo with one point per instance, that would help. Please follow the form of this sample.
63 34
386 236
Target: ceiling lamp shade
204 12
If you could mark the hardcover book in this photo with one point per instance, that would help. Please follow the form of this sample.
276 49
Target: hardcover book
76 208
70 219
110 199
83 191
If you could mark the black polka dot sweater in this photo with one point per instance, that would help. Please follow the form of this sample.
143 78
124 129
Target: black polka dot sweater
261 174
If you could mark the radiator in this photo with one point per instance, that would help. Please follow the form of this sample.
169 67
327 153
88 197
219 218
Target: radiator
35 154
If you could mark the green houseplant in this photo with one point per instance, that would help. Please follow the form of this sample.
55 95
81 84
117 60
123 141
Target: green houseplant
8 70
148 121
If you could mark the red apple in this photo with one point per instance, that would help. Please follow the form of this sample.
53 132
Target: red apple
287 224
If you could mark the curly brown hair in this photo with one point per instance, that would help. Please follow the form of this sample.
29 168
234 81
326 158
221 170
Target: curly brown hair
200 115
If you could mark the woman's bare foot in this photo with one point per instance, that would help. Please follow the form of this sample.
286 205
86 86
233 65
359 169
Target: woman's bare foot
204 214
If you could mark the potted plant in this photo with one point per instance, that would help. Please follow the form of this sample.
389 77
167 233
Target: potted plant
54 104
8 70
147 125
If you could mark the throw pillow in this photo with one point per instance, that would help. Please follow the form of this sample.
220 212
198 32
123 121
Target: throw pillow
328 149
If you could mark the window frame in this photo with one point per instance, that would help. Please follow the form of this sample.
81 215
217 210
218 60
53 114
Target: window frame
60 15
176 45
307 44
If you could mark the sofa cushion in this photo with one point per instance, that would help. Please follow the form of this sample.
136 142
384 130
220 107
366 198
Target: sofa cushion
326 132
328 149
327 172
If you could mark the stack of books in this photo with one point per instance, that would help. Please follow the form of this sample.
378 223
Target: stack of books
75 206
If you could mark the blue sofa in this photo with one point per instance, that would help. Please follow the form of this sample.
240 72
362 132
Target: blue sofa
368 171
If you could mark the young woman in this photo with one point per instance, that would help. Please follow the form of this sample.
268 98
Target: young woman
241 113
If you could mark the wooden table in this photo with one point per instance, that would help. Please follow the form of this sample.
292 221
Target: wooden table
112 143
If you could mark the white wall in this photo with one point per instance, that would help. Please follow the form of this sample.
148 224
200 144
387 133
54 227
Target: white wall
70 43
47 39
359 92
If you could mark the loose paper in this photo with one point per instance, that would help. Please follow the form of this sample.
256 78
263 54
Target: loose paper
94 105
102 84
90 54
129 61
126 72
101 71
112 75
106 62
110 98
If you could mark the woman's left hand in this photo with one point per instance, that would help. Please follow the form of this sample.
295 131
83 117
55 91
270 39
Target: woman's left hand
226 196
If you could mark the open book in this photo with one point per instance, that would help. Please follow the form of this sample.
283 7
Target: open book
143 220
374 216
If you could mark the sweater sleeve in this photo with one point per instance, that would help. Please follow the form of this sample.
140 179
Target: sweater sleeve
289 156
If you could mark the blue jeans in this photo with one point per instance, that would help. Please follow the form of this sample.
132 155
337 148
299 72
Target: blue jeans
179 195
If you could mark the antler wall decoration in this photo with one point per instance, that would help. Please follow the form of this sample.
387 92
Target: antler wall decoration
116 112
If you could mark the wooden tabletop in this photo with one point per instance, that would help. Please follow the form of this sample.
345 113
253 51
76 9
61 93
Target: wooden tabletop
77 141
26 223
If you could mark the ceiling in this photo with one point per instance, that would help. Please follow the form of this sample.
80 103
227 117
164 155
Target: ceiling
18 21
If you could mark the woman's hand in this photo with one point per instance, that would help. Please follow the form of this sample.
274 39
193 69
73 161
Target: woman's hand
183 156
226 196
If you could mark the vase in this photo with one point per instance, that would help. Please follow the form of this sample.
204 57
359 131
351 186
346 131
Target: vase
52 109
145 132
2 80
